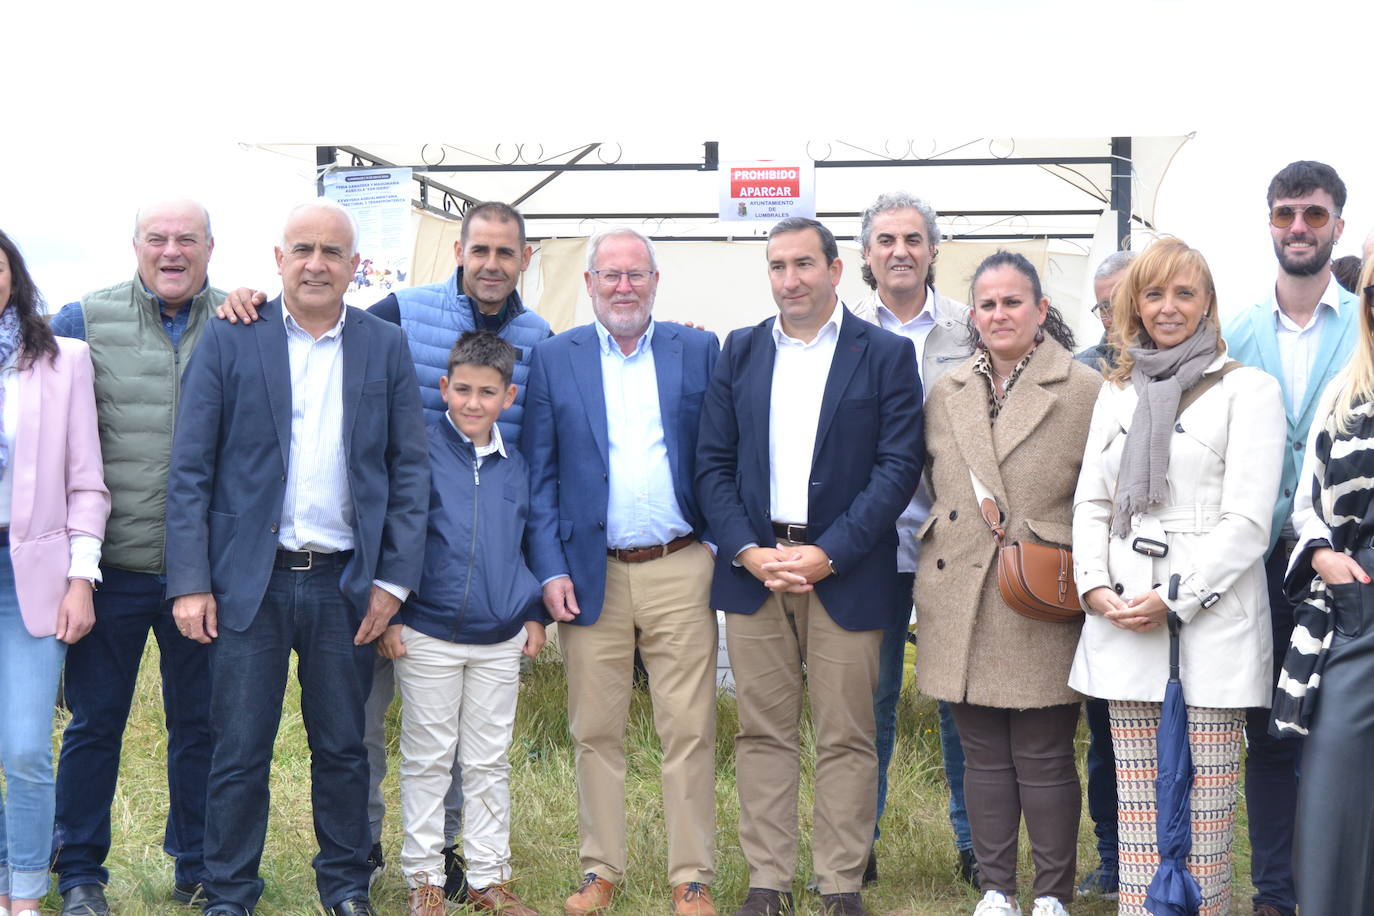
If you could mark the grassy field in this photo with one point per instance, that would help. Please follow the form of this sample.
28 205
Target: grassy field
916 854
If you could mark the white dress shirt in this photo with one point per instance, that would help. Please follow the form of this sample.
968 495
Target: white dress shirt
800 371
917 330
85 550
317 510
1298 345
642 508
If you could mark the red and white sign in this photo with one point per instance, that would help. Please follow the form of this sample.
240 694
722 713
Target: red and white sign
767 191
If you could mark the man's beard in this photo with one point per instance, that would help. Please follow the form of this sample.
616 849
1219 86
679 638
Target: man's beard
1309 267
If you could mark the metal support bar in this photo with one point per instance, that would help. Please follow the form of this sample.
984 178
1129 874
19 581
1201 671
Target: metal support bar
575 159
828 214
324 158
1121 187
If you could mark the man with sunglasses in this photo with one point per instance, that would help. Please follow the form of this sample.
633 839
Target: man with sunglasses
1302 335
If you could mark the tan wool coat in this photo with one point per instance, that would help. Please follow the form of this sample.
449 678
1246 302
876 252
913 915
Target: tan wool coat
973 648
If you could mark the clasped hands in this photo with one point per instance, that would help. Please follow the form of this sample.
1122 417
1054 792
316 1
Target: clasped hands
1141 613
794 568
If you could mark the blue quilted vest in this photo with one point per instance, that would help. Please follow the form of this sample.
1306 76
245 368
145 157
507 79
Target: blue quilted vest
435 316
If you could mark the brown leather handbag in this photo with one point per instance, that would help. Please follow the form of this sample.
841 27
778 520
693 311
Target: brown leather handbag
1036 580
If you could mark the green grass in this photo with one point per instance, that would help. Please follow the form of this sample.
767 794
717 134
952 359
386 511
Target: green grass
916 854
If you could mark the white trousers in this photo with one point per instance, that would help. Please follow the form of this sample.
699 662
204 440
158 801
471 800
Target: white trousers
456 698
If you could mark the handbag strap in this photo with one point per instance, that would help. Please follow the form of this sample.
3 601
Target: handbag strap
1204 385
987 507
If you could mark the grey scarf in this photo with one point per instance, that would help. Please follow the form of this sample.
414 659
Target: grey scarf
1160 378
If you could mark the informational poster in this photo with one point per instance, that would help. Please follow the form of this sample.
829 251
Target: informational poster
379 200
767 190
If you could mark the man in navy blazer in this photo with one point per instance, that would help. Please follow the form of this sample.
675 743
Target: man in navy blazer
616 536
295 520
810 448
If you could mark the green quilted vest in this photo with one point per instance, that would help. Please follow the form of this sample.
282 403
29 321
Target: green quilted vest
137 383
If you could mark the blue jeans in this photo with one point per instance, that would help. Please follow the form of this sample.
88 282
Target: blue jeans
1102 780
302 611
953 752
891 666
1271 770
102 671
29 669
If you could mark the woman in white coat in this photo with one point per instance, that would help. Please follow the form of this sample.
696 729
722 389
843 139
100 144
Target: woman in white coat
1186 495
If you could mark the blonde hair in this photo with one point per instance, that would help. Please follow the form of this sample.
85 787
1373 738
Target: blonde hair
1355 383
1165 258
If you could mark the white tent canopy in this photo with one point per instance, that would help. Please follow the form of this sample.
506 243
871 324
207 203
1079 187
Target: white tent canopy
1050 198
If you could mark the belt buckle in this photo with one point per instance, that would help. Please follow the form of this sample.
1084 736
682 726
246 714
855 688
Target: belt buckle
791 529
309 561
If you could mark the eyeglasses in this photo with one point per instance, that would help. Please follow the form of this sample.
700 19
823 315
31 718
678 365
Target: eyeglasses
611 278
1314 215
1103 308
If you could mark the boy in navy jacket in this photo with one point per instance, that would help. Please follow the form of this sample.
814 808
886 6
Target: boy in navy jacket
457 641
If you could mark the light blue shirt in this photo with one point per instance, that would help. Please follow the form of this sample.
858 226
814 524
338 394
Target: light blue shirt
642 508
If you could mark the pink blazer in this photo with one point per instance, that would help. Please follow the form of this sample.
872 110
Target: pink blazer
58 479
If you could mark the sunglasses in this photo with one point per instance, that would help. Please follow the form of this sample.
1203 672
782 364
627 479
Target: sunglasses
1314 215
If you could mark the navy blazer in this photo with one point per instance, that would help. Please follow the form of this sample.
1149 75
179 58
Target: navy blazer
867 461
230 451
565 443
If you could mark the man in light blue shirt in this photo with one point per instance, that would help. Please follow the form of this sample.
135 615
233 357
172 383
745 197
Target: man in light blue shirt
618 541
1302 335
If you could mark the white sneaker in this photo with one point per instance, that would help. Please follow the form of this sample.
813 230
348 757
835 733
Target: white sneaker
1048 906
996 903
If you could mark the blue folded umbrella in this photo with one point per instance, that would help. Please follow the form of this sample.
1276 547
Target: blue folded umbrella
1173 891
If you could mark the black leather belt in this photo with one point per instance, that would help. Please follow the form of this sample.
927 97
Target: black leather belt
302 560
797 534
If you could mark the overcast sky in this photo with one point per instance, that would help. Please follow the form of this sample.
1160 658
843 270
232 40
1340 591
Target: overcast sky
133 102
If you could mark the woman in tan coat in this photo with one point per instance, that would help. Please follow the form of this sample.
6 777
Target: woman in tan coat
1016 415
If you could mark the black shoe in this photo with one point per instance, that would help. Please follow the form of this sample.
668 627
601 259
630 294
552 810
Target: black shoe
189 894
377 862
968 869
455 879
843 905
225 909
85 900
358 906
762 901
871 869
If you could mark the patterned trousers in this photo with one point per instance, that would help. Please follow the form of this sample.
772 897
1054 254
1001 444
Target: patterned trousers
1216 737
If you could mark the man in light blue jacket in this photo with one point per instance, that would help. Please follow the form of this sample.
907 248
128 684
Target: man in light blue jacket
1302 335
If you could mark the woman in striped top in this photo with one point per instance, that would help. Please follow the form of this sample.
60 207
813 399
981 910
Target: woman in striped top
1333 641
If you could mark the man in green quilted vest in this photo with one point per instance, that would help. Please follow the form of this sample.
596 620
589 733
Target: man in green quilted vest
141 333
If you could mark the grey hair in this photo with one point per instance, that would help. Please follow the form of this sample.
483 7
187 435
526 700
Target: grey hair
324 203
205 214
899 200
1113 264
595 242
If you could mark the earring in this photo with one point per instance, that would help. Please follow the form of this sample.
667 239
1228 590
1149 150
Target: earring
1040 334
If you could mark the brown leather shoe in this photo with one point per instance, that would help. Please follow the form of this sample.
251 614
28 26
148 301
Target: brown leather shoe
594 896
692 899
426 900
499 899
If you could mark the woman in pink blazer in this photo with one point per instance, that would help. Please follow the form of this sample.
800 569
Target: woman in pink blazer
53 506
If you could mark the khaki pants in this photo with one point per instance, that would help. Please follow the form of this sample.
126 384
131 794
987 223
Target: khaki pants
663 606
767 652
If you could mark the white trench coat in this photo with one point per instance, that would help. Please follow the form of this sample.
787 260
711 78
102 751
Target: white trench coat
1225 459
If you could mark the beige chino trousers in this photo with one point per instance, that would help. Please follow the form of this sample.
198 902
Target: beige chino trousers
663 607
768 651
